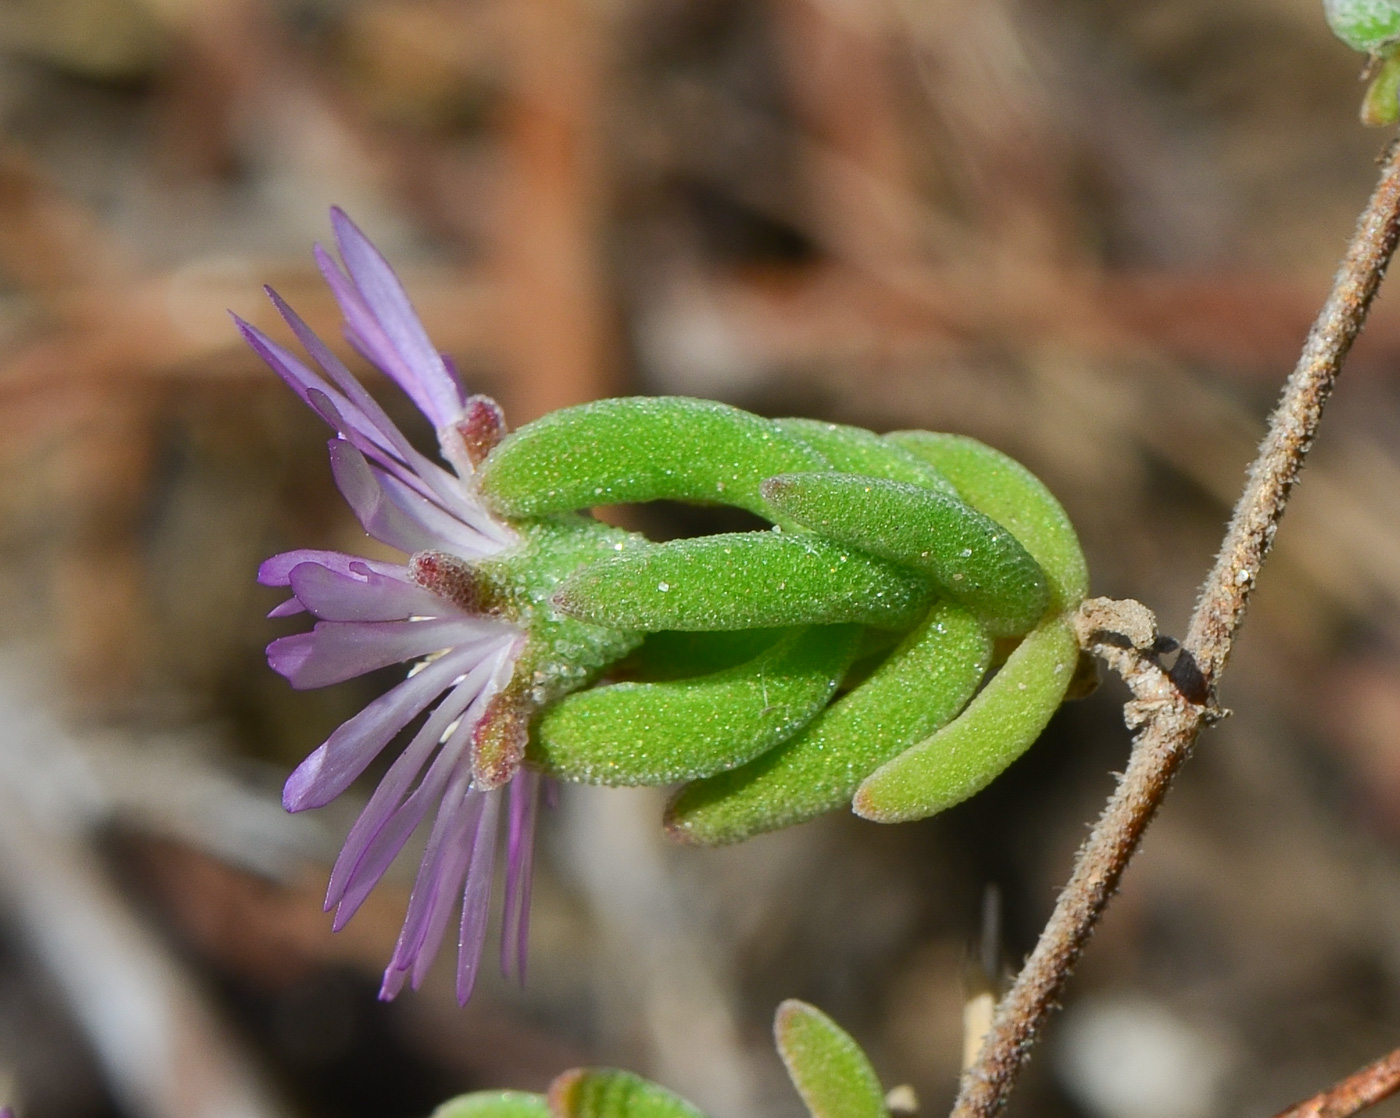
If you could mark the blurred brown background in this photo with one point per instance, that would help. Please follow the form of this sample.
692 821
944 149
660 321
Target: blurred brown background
1091 232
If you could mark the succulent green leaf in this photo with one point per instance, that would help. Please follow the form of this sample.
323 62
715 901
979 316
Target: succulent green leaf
563 653
1365 25
854 450
827 1066
971 557
494 1104
967 754
919 687
744 580
608 1093
1002 488
661 733
637 449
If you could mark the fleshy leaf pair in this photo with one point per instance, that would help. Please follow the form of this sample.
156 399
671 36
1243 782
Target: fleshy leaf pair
894 566
827 1066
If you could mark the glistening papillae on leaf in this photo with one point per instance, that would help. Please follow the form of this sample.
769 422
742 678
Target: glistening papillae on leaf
636 449
854 450
745 580
966 755
997 485
919 687
662 733
969 556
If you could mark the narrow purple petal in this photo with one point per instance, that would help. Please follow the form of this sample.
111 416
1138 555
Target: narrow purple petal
377 426
398 514
394 978
365 332
300 379
476 902
363 595
374 863
378 312
277 571
382 518
382 430
453 533
335 651
366 436
372 843
389 840
440 875
359 419
520 854
345 754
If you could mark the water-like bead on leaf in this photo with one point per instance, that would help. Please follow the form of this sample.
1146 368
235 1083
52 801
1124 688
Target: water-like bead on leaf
744 580
1364 25
999 486
966 755
661 733
826 1065
495 1104
854 450
971 557
923 683
609 1093
637 449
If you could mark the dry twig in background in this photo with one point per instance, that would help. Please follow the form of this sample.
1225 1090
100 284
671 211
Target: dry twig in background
1362 1089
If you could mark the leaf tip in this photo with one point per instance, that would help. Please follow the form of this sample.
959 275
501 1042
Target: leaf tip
678 829
867 805
562 1096
788 1014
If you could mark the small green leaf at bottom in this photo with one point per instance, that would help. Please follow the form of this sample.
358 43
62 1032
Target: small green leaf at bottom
609 1093
827 1066
494 1104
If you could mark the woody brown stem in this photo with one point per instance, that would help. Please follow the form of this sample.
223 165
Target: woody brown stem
1357 1092
1171 722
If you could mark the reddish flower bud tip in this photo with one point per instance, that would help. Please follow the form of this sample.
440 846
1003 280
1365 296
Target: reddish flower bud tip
449 577
482 426
498 742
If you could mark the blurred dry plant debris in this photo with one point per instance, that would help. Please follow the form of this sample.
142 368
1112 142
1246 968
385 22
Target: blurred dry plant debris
1091 232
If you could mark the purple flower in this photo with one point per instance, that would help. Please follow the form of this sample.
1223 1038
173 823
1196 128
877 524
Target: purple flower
464 759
